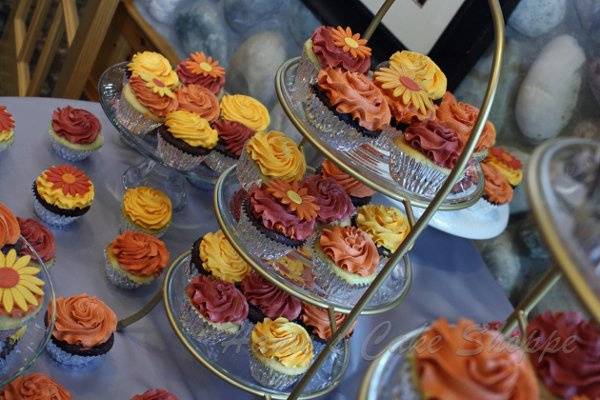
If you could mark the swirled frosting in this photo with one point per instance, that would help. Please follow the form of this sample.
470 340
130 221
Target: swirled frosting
282 341
353 93
507 164
218 301
39 237
155 394
139 253
83 320
496 188
333 201
277 156
65 186
36 386
158 104
388 226
438 143
350 249
461 118
428 74
9 226
75 125
333 49
149 65
276 217
220 258
246 110
7 123
317 318
147 207
352 186
202 70
199 100
192 129
565 352
463 362
233 135
272 301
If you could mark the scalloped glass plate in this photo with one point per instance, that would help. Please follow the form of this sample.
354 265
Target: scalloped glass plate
230 360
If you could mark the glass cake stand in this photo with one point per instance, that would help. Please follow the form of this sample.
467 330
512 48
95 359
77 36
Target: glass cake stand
21 350
230 360
153 167
303 285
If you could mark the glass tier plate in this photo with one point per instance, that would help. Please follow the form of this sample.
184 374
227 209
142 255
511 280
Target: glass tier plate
230 360
368 163
304 285
16 356
109 89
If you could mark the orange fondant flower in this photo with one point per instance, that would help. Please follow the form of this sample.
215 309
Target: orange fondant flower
295 197
201 64
72 181
350 43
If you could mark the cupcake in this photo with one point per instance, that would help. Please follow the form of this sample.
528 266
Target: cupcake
295 270
198 100
346 258
270 155
411 82
134 259
146 209
346 108
36 386
74 133
335 206
62 194
276 218
507 164
214 311
241 117
213 254
388 226
564 349
41 240
266 300
7 127
359 193
280 352
83 332
185 140
10 231
461 118
202 70
466 362
155 394
316 321
496 188
422 159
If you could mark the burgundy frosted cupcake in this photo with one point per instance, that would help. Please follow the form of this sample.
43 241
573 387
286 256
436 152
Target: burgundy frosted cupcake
359 193
266 300
335 206
316 321
75 133
155 394
232 138
203 70
214 311
40 238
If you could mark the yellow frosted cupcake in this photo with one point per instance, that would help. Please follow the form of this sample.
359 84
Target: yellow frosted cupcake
280 352
7 126
147 210
213 254
388 226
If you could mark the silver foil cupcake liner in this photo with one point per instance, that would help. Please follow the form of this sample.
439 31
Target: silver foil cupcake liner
71 360
176 158
306 75
219 162
133 120
247 171
413 175
69 154
118 278
200 328
385 142
127 225
479 156
50 218
267 376
257 243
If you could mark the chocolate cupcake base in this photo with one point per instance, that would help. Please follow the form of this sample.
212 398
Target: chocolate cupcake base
75 356
51 218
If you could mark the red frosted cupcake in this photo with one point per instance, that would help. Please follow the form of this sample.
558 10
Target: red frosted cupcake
202 70
75 133
7 129
266 300
155 394
40 238
335 206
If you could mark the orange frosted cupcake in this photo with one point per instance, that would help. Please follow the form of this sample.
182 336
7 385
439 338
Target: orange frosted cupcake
202 70
199 100
9 227
359 193
507 164
36 386
496 190
316 321
7 129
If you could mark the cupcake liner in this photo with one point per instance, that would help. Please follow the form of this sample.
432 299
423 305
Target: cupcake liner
247 170
306 75
267 376
50 218
128 225
413 175
482 206
257 243
69 154
133 120
219 162
200 328
407 389
177 158
385 142
332 283
479 156
70 360
119 279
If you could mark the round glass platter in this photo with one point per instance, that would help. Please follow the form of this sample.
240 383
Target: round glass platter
20 347
230 360
366 163
563 186
302 284
110 86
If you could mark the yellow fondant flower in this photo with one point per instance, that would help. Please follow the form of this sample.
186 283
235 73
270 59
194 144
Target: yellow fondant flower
401 84
350 43
157 86
18 282
429 76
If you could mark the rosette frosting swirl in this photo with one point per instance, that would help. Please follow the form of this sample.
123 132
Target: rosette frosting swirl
350 249
220 258
463 361
218 301
438 143
83 320
39 237
7 123
158 104
277 156
199 100
317 318
9 226
75 125
353 93
333 201
233 135
192 129
139 253
272 301
246 110
496 188
333 48
149 65
148 207
282 341
352 186
36 386
155 394
388 226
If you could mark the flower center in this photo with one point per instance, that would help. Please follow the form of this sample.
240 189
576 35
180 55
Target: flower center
68 177
351 42
8 278
293 196
158 82
204 66
410 84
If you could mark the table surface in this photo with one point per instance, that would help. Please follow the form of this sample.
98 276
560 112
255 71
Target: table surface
450 278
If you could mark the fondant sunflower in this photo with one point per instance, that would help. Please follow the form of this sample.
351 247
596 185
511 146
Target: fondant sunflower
429 76
70 180
295 197
350 43
157 86
201 64
18 282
